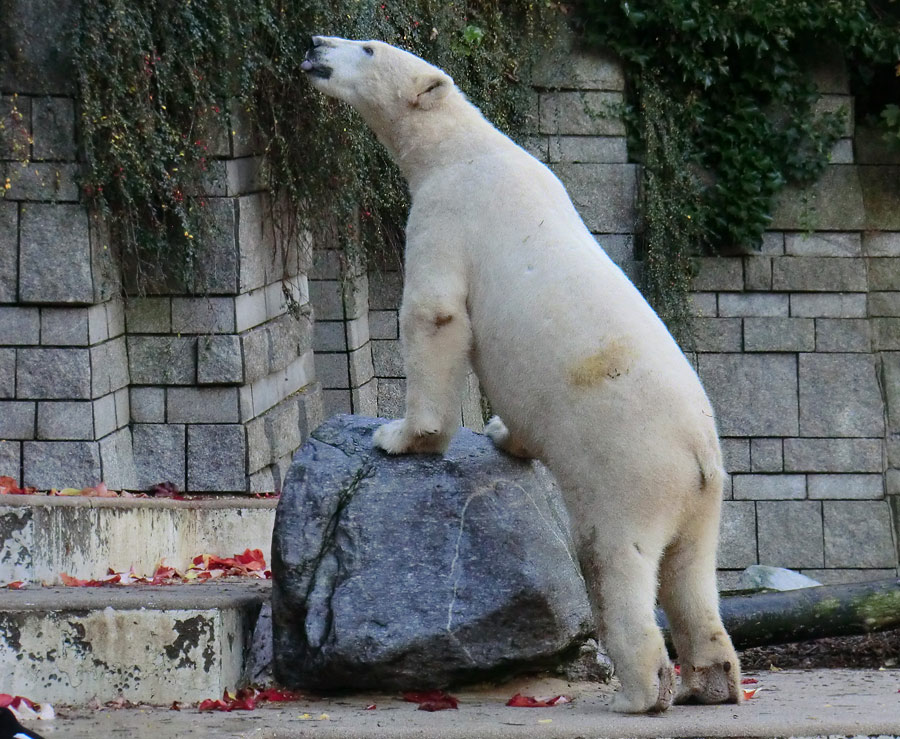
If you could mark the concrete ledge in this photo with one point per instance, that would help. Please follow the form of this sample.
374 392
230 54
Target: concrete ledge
146 644
41 537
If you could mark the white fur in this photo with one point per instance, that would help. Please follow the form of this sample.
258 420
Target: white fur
500 270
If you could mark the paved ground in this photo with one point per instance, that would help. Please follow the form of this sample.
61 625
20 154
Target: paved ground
789 703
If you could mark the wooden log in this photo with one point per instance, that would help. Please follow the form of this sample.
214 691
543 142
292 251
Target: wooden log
810 613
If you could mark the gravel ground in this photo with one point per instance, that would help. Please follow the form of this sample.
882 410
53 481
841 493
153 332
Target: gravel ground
869 651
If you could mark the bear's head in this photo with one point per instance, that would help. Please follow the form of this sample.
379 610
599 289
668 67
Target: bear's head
379 80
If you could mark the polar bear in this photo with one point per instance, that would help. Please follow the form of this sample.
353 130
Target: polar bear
501 271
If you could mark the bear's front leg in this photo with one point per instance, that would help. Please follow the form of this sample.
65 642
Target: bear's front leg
437 338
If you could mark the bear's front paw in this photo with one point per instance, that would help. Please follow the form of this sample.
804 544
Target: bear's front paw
395 437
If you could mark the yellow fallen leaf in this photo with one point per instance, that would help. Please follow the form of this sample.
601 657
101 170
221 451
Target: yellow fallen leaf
545 720
70 491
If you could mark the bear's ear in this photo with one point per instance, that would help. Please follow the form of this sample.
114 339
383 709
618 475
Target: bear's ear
429 89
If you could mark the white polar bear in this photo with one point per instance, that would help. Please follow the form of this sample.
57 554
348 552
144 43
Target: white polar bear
500 270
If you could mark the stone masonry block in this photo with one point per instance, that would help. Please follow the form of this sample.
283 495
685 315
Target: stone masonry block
387 358
753 394
54 128
358 332
361 366
250 309
148 404
289 338
891 384
106 267
881 243
217 258
259 261
159 454
884 303
840 105
15 113
337 401
109 367
9 251
16 419
737 535
203 315
19 326
216 458
849 382
219 360
589 113
719 273
255 347
604 194
391 398
841 152
843 487
41 37
779 334
332 370
583 70
311 409
823 244
736 455
105 415
283 428
884 273
65 420
589 149
757 273
148 315
717 334
858 534
115 317
54 181
64 326
851 305
98 326
881 193
753 304
832 455
123 407
769 487
766 455
886 334
259 450
51 374
356 297
7 372
162 360
383 324
11 459
329 336
772 243
55 254
117 459
833 203
61 464
365 398
385 291
790 533
537 146
705 305
819 274
326 299
202 405
326 264
843 335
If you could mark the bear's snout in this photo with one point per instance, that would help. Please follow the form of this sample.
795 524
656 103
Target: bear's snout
312 64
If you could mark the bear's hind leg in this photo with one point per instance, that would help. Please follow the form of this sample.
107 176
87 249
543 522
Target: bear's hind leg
503 439
621 577
710 670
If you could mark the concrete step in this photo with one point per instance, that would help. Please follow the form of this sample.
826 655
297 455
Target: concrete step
142 643
43 536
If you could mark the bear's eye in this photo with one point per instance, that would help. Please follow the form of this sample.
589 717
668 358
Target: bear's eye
369 50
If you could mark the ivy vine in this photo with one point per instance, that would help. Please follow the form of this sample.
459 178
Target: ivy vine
161 82
723 115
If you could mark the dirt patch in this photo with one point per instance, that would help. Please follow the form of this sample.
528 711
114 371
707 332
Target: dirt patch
854 652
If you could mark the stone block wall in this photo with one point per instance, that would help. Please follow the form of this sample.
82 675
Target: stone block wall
209 385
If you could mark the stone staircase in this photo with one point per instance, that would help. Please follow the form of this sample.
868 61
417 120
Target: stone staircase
144 643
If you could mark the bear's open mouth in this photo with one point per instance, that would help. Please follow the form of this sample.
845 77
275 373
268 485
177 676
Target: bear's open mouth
314 68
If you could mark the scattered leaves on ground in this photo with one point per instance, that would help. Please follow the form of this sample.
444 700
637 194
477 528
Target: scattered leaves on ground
750 693
251 563
528 701
432 700
245 699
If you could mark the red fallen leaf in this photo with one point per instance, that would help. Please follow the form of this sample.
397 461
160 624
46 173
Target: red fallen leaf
74 582
677 669
432 700
8 486
527 701
16 585
750 693
243 700
176 706
749 681
372 706
5 699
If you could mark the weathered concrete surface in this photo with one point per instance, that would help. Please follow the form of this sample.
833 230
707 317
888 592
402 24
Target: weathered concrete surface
149 644
790 703
419 569
42 536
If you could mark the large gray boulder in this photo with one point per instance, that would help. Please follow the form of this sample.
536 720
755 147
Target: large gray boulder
419 571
